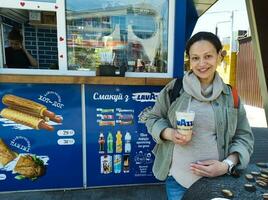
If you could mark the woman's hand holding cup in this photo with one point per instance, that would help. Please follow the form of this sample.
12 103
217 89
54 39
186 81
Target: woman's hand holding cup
175 136
179 138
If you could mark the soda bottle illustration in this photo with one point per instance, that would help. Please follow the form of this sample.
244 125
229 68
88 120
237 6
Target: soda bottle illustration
110 142
118 142
126 164
106 164
101 143
117 163
127 142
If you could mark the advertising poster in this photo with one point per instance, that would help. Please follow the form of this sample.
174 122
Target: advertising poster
40 136
119 148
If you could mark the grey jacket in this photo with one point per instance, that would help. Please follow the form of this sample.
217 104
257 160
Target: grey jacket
232 128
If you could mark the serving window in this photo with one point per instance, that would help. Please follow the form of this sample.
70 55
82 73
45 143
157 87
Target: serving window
39 24
85 37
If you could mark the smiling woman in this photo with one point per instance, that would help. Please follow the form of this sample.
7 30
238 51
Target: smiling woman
220 142
205 53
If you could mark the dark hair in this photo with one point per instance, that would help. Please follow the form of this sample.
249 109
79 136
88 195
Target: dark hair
15 34
207 36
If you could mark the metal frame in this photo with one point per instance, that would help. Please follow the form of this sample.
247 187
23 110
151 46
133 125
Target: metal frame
258 56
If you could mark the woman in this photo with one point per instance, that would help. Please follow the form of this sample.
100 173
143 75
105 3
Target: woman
222 136
16 54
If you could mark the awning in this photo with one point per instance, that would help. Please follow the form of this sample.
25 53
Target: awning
203 5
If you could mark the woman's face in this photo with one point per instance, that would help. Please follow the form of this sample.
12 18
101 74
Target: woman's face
204 60
15 44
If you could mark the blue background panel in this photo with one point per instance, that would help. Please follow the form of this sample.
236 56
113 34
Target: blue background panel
64 162
128 103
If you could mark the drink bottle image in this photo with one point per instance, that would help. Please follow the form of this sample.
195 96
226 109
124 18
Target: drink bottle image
117 163
127 142
110 142
118 142
126 164
106 164
101 143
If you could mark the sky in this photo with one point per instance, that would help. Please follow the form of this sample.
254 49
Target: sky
220 15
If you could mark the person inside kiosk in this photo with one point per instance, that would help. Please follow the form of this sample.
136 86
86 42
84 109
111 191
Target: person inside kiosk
16 54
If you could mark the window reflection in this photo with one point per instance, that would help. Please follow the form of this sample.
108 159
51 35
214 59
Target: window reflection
126 36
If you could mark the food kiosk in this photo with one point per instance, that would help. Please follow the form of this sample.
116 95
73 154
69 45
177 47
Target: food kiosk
78 119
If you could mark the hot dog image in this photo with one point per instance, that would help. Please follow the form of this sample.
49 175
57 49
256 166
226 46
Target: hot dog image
30 107
27 112
25 119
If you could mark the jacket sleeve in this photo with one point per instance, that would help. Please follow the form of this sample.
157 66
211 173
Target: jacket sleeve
243 140
157 119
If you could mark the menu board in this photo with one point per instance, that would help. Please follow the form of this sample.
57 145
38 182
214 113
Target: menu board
40 136
119 148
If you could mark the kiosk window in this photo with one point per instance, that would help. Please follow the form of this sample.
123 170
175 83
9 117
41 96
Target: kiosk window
29 40
67 37
129 35
33 37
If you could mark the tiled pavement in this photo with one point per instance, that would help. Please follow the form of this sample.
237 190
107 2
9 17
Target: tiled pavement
141 192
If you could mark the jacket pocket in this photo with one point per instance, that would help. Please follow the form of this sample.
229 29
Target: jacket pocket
163 156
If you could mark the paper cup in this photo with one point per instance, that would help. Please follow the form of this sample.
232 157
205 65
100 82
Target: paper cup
185 121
